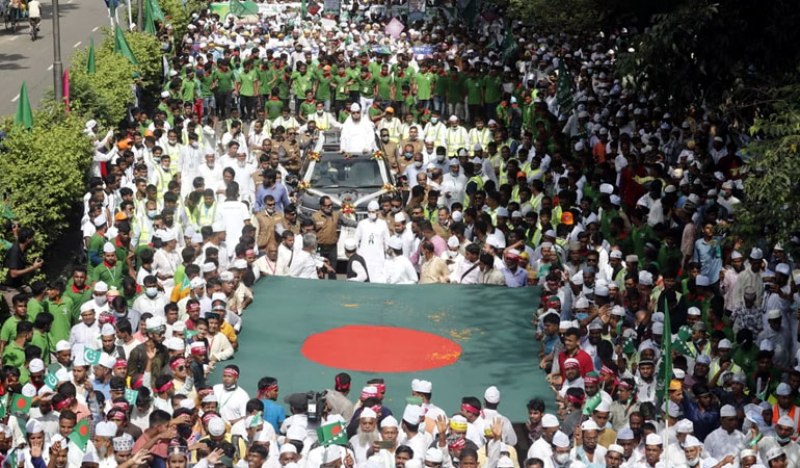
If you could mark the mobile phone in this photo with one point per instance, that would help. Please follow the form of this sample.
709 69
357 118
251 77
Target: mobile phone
385 444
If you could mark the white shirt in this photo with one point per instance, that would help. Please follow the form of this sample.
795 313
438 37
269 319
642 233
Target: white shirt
234 213
465 272
357 137
400 270
719 443
304 266
83 334
231 403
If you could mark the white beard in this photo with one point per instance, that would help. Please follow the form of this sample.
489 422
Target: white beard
367 438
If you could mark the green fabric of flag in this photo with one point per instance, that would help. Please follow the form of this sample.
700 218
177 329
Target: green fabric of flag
155 9
24 115
149 23
662 385
20 403
592 403
509 45
564 89
121 45
80 434
91 356
51 380
242 8
303 9
332 434
131 396
3 406
91 67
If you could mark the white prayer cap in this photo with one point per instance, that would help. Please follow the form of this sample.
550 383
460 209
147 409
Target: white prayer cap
691 442
548 420
560 440
589 425
108 247
626 433
785 421
123 443
603 407
175 344
784 389
434 455
216 427
107 361
783 269
389 421
373 206
505 462
652 439
684 426
332 453
368 413
197 282
107 330
582 302
606 188
101 286
773 314
166 236
756 254
218 227
421 386
395 243
188 403
354 107
775 452
36 365
492 395
105 429
616 448
34 427
350 245
412 414
727 411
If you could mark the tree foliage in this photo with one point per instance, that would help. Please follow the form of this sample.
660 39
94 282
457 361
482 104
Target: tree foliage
43 170
106 94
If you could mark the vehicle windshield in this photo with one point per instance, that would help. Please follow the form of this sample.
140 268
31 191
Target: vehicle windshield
332 172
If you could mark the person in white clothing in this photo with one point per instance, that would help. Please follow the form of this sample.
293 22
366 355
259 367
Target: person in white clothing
372 234
466 270
306 262
232 399
726 440
234 214
358 133
454 182
166 259
87 330
153 300
398 268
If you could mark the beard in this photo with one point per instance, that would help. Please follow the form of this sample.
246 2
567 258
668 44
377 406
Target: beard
367 438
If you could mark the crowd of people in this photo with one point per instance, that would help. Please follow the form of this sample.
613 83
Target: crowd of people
518 160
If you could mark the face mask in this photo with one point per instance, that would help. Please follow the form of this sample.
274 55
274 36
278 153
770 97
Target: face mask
440 157
581 316
194 144
100 299
385 139
417 164
373 216
270 211
452 254
151 292
319 112
562 458
152 214
434 120
396 209
783 440
408 155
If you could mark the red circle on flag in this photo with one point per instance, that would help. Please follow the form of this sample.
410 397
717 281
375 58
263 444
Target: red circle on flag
372 348
21 403
83 430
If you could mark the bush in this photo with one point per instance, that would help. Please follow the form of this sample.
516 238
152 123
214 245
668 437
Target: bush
43 170
106 94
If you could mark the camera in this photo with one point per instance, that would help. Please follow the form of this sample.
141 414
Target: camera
316 405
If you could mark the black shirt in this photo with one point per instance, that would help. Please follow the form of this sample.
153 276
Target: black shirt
15 260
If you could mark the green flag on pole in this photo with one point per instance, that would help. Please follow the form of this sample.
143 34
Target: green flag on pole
665 373
91 356
333 433
121 45
51 380
149 23
240 8
564 89
20 403
80 434
156 11
90 61
131 396
24 115
3 406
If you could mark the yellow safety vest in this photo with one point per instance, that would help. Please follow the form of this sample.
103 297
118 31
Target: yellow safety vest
479 182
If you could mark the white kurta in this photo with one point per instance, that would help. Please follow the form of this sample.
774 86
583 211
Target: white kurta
231 403
371 237
720 444
234 213
399 270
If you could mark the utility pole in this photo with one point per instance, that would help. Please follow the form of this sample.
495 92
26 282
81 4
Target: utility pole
58 67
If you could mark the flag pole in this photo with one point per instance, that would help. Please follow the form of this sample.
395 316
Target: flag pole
130 17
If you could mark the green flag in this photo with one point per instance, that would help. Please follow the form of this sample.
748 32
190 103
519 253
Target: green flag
121 45
131 396
24 114
20 403
3 406
242 8
564 88
51 380
155 9
91 356
592 403
90 64
665 375
509 45
149 23
333 433
80 434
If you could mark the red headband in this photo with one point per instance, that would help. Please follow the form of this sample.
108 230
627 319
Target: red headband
342 387
63 404
470 409
205 391
120 363
178 363
458 443
607 370
230 372
166 387
209 416
381 387
117 414
590 380
573 399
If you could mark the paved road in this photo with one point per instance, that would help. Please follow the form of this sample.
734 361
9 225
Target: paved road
23 60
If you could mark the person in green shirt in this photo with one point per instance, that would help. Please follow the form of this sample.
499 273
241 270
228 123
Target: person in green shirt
35 302
274 106
77 291
307 107
223 88
341 83
322 87
474 89
440 92
94 250
384 82
205 81
492 92
111 270
366 88
247 89
60 307
423 83
41 335
20 313
14 352
455 92
302 81
190 87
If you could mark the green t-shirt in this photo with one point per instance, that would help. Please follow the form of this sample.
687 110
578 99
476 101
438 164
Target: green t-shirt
324 87
474 87
42 341
205 85
111 275
34 308
301 83
440 87
273 107
493 89
424 82
247 83
264 78
366 86
307 108
96 243
399 82
342 88
455 88
62 319
385 86
279 75
189 90
353 73
9 329
224 80
77 298
13 355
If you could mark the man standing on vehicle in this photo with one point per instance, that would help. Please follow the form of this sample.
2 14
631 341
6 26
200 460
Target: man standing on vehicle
326 222
358 133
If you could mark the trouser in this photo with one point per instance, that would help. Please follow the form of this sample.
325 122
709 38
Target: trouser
474 111
338 105
490 110
248 107
438 104
223 100
366 103
328 251
426 103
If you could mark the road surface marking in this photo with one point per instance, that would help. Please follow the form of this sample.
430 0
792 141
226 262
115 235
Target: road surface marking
77 44
50 67
15 98
95 28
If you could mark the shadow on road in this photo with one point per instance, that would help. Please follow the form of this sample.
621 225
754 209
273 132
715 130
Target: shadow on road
6 61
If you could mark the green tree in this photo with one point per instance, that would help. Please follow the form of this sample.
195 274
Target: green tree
106 94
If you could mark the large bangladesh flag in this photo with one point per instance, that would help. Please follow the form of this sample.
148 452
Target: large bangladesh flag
332 434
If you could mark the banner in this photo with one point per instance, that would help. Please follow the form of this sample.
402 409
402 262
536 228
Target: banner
416 10
332 7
